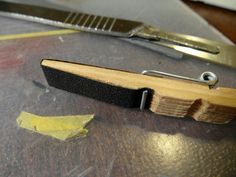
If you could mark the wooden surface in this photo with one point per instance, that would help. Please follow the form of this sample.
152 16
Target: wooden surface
121 142
220 18
173 98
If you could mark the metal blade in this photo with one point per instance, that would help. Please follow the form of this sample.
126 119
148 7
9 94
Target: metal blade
135 32
72 20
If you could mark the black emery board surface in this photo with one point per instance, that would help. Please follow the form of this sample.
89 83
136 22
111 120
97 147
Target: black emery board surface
120 96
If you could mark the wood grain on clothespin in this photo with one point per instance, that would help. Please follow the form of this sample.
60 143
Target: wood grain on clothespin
169 97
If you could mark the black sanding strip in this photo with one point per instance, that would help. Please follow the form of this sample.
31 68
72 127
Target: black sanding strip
120 96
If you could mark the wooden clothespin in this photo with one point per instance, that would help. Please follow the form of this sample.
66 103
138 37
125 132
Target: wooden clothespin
164 96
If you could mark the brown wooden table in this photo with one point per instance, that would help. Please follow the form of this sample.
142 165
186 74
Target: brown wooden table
224 20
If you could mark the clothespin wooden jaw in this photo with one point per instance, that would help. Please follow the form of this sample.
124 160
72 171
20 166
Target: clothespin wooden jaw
164 96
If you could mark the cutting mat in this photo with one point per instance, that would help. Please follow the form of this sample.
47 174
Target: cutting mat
121 142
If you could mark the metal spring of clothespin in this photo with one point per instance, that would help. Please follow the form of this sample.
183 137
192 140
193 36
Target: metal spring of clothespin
206 78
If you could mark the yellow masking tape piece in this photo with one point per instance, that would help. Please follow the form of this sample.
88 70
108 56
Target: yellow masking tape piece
37 34
60 127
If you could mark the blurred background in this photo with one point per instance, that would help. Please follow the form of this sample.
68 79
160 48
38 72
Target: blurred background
219 13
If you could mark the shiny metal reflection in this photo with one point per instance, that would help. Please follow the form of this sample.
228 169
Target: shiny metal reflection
216 52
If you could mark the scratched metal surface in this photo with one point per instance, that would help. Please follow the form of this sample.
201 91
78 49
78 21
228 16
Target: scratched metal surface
121 142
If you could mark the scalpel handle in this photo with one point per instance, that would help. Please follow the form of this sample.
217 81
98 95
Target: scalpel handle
201 48
154 34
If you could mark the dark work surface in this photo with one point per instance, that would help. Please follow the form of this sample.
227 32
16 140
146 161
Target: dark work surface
121 142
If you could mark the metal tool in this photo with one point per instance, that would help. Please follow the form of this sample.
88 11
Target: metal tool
135 31
206 78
